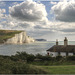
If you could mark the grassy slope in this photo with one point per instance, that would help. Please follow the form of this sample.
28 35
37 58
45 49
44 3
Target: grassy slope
6 34
68 69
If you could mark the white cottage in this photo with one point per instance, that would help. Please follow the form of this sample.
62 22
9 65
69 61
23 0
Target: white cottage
63 50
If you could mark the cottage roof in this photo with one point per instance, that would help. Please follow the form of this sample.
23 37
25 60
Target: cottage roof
62 48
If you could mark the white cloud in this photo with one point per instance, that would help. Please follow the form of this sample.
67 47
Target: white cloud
2 15
29 15
13 24
28 11
64 11
53 3
2 10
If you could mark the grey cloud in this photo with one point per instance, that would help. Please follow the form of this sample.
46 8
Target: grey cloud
38 33
24 25
40 27
64 11
68 30
28 11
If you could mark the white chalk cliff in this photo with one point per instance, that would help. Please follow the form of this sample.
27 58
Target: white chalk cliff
20 39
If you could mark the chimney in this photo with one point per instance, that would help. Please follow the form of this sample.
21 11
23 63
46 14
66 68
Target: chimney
56 42
65 41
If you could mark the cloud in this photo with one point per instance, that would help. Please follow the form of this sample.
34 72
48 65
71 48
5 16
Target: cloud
29 16
53 3
68 30
2 10
2 15
28 11
14 24
64 11
65 28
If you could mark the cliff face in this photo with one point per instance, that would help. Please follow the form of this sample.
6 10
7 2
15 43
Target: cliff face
20 39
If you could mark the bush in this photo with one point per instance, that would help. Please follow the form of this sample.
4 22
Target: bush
20 68
30 58
44 58
27 69
39 56
58 58
8 66
71 58
47 58
20 56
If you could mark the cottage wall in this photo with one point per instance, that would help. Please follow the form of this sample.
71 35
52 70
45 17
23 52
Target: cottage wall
70 54
63 53
54 54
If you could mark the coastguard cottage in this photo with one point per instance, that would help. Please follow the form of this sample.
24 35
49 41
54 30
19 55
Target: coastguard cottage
63 50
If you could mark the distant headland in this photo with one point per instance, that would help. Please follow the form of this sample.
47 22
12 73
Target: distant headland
40 39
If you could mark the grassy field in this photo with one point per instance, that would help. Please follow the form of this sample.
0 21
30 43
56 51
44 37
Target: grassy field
6 34
68 69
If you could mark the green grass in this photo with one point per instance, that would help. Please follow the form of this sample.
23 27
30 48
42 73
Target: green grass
68 69
6 34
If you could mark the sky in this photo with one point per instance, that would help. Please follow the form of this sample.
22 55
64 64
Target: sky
47 19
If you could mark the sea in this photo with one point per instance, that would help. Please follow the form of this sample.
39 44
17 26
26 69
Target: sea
32 48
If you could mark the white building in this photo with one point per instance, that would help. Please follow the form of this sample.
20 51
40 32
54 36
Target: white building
63 50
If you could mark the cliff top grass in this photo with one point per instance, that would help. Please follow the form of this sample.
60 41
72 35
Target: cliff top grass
6 34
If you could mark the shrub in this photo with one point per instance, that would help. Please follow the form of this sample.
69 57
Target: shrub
8 66
71 58
58 58
27 69
47 58
39 56
20 56
23 56
14 58
30 58
44 58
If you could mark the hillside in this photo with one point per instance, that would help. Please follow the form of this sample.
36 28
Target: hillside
6 34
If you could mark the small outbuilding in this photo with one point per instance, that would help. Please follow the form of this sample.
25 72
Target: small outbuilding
63 50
